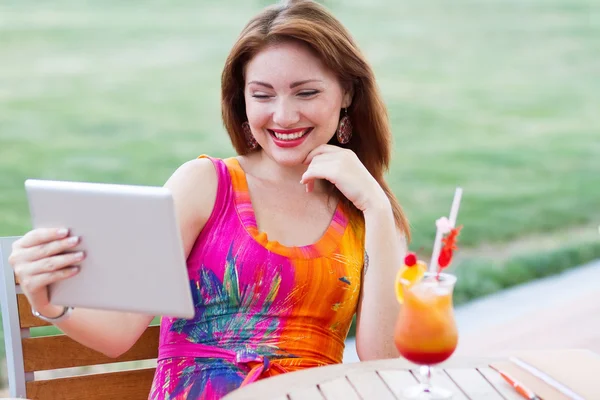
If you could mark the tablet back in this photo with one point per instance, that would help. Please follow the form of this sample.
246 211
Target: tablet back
134 254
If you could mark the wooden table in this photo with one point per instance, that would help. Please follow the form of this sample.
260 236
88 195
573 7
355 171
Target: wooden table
467 378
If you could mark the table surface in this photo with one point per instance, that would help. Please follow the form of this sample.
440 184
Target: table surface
466 377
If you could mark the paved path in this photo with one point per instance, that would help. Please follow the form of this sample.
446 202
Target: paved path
562 311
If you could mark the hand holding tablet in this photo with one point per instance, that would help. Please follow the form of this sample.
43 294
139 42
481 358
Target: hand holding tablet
134 258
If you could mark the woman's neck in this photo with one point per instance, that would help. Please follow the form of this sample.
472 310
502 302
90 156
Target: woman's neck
266 169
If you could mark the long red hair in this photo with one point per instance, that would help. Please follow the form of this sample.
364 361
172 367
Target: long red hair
312 24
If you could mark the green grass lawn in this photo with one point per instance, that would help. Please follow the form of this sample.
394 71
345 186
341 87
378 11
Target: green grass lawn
498 96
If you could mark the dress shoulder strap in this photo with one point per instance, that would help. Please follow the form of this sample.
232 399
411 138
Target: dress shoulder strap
224 197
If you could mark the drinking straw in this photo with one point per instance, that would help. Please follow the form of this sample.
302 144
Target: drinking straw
455 206
437 244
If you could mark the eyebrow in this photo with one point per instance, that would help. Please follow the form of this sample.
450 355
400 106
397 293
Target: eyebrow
293 85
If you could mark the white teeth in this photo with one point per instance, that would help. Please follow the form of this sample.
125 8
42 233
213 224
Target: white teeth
290 136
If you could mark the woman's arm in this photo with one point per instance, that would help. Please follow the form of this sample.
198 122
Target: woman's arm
385 246
194 188
378 307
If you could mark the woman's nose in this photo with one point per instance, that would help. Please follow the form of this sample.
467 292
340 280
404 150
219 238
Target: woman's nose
285 114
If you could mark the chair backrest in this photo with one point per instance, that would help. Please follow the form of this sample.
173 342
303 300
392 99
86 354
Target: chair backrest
26 355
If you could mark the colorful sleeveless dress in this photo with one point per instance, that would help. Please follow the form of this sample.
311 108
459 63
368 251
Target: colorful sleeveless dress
261 308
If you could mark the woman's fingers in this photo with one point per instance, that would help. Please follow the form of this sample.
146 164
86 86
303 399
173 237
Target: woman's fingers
40 236
48 249
321 150
310 185
53 248
34 283
41 257
54 263
321 169
26 271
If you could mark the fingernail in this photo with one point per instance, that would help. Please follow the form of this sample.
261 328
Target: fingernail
73 240
75 268
62 232
79 255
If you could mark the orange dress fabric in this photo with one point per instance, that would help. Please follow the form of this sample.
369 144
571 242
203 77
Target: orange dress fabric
262 308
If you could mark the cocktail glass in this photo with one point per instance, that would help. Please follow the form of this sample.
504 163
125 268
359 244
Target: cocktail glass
426 331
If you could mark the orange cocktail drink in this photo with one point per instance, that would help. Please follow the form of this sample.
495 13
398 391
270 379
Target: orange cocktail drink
426 331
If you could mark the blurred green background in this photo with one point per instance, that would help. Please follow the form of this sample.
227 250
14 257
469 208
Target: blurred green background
501 97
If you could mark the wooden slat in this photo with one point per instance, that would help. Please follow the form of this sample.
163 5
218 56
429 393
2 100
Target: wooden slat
398 380
309 393
131 385
370 386
338 389
26 318
473 384
60 351
286 383
494 378
440 379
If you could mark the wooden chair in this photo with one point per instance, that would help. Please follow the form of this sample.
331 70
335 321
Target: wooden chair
26 355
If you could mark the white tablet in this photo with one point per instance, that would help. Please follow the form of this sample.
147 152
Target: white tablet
134 254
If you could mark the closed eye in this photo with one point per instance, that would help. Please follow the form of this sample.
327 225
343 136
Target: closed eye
260 96
308 93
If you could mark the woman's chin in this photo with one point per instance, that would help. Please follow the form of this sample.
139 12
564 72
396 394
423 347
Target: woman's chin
288 157
290 160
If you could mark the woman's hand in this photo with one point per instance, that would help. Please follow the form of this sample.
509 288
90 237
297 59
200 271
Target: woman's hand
40 258
343 168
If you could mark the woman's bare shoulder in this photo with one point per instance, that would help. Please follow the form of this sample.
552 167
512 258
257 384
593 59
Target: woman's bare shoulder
194 187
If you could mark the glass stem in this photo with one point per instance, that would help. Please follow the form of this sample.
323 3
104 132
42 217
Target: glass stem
425 371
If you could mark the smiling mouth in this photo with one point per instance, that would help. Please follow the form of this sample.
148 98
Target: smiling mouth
290 136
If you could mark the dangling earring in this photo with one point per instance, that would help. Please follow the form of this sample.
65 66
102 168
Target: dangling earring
344 131
250 140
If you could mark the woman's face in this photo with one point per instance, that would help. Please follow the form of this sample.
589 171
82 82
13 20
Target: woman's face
293 101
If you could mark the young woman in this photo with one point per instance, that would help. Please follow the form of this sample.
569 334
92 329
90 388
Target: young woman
286 241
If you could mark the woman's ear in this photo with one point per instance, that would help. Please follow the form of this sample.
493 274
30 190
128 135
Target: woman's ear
348 95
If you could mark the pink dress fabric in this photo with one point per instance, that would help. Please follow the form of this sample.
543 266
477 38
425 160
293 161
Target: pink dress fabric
261 308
